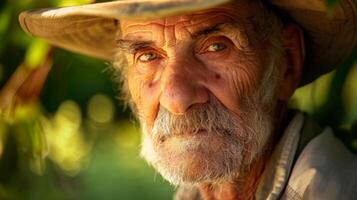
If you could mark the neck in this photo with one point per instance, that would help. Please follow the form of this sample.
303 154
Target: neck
243 187
240 187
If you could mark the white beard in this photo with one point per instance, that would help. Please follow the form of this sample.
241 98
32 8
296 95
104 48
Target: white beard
212 161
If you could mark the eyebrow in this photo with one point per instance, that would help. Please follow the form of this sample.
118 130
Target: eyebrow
220 27
131 46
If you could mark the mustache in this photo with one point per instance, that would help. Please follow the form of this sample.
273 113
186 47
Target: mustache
212 117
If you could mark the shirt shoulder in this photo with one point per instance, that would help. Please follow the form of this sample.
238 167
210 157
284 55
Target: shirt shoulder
325 169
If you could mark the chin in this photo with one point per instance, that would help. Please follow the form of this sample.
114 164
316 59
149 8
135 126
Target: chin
193 159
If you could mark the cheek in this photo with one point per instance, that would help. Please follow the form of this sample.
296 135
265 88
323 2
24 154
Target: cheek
145 94
234 79
244 78
134 85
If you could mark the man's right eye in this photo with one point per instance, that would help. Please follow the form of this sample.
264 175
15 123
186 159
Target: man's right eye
147 57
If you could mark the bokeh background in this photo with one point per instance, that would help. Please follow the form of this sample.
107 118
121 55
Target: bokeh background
69 137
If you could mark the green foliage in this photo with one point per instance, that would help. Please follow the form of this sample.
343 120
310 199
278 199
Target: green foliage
331 3
331 100
36 53
62 3
28 132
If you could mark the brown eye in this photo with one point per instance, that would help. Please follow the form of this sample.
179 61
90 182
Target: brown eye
215 47
147 57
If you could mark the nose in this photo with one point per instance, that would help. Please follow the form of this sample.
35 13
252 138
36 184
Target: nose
181 89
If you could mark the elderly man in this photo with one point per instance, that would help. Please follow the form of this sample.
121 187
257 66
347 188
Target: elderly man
209 82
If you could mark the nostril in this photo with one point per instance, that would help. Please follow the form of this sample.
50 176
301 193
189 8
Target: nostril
198 104
193 106
190 107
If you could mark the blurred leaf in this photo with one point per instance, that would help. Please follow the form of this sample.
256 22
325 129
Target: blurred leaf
9 158
30 136
36 53
67 146
63 3
20 39
5 19
313 96
334 103
3 135
350 96
39 149
331 3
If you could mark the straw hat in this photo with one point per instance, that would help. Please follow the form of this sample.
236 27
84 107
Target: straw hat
91 29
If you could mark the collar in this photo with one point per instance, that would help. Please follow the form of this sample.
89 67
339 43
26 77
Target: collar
278 169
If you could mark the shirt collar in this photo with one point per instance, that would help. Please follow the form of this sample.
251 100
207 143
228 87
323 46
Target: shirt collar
278 169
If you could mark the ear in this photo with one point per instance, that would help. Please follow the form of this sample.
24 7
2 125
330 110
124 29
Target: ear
292 61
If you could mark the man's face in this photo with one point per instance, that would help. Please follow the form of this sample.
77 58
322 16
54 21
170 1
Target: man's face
198 83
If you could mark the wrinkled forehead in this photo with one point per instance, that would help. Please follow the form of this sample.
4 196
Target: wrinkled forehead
240 11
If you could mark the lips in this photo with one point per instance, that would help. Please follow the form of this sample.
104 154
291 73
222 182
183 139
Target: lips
188 133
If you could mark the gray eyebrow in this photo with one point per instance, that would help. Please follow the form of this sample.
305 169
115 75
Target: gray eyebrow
131 46
212 30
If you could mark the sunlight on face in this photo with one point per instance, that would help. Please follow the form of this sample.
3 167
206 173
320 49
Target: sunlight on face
198 82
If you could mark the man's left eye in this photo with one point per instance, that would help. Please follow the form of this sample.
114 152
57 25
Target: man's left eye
147 57
215 47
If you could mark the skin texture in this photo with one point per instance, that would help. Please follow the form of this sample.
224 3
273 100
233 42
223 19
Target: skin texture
178 63
164 81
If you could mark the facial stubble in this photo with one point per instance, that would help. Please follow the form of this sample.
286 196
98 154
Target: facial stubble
229 146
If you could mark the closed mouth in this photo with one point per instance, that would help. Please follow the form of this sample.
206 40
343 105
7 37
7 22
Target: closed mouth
188 133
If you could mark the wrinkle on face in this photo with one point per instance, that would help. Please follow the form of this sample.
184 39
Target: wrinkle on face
174 35
185 76
168 33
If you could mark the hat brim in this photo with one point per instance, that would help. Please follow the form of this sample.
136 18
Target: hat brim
91 29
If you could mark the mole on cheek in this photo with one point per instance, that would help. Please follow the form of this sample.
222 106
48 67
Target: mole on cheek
218 76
